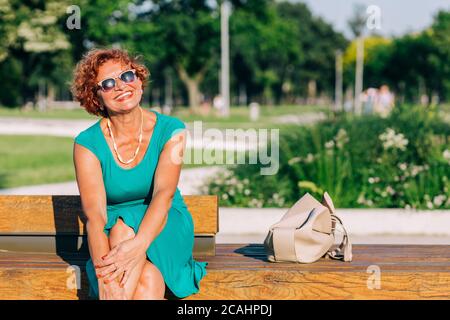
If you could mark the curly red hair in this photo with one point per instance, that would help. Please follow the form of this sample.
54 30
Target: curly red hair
84 86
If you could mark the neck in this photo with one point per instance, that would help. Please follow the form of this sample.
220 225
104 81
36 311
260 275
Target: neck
126 124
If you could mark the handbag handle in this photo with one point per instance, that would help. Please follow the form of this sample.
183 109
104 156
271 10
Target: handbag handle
344 250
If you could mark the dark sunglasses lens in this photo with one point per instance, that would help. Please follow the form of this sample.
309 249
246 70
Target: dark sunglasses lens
128 76
108 84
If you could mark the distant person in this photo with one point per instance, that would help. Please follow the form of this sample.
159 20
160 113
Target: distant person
140 232
219 104
371 97
205 108
385 101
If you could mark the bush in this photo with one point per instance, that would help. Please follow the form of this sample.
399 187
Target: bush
399 161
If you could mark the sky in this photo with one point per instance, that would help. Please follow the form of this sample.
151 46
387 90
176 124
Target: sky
397 17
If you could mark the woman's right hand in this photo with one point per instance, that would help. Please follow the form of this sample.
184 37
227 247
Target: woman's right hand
111 291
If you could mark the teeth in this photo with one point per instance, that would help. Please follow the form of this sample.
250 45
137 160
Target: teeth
123 95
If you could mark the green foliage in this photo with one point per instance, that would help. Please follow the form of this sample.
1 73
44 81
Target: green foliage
399 161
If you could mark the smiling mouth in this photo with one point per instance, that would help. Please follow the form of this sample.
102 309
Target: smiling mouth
124 96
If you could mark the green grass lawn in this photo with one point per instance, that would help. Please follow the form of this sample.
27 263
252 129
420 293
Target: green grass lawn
31 160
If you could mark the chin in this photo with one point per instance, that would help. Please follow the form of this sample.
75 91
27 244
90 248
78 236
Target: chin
128 105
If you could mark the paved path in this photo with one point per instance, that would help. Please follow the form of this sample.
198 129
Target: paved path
300 119
71 128
190 182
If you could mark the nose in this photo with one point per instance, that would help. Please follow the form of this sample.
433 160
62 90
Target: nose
120 84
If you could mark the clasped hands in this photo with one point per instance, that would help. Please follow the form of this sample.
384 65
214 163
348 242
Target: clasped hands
120 261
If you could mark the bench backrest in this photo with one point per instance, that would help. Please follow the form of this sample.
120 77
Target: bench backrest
34 222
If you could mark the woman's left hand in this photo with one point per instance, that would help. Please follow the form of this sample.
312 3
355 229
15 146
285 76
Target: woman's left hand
121 260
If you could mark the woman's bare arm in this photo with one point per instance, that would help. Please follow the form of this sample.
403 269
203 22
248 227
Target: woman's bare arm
93 198
166 178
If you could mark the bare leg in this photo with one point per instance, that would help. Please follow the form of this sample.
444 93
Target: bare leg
119 233
151 284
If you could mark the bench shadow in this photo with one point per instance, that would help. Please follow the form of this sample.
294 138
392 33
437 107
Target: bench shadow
253 250
70 245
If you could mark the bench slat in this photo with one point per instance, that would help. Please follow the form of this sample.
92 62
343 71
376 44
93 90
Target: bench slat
63 214
239 271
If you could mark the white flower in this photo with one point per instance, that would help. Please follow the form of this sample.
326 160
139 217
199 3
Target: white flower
294 160
254 202
361 199
415 170
439 200
309 158
247 192
224 196
341 138
408 207
429 205
390 190
393 140
231 192
446 155
374 180
329 144
403 166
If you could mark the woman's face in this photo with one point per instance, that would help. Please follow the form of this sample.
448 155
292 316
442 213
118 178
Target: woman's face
124 96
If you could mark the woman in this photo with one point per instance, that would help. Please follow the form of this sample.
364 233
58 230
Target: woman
127 165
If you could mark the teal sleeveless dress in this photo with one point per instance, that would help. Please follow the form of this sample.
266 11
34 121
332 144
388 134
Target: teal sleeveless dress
128 194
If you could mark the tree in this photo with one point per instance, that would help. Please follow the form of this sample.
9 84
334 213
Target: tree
38 40
318 42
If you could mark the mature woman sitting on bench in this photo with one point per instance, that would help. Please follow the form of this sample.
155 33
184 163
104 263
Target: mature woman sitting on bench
140 232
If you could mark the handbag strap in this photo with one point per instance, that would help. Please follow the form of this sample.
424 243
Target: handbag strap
344 250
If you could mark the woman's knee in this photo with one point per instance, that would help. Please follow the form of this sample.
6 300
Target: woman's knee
120 232
151 282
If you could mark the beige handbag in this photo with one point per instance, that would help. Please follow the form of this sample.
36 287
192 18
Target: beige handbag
306 233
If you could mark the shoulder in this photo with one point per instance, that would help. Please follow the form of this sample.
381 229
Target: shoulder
170 126
88 132
170 121
88 137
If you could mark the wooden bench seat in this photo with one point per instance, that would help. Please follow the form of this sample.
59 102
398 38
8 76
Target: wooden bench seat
241 271
43 253
55 224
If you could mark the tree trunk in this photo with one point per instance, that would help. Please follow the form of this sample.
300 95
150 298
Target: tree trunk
192 84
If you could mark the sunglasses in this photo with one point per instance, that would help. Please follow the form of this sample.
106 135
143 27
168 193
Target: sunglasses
108 84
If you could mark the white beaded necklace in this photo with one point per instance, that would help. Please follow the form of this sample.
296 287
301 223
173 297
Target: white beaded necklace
139 145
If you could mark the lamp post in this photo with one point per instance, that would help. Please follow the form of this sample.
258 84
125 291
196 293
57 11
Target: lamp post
225 11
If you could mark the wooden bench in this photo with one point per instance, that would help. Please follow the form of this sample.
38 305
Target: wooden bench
43 244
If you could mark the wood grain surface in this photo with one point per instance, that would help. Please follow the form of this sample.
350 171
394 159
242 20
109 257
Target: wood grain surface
63 214
241 271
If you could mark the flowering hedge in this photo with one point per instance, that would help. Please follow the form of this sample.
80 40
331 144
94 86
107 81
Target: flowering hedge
399 161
